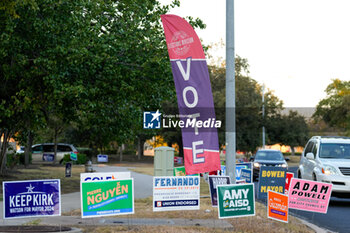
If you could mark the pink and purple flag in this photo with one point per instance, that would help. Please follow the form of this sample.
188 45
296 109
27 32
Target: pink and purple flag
194 96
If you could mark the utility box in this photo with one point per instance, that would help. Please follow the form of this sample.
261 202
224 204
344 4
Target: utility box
164 161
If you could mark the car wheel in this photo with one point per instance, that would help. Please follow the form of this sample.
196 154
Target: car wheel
314 178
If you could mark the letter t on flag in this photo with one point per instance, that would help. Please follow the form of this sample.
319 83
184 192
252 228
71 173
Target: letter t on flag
194 96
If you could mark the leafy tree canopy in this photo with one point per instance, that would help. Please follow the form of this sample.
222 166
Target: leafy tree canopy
335 108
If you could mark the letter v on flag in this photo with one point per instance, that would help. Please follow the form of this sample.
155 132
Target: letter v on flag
194 96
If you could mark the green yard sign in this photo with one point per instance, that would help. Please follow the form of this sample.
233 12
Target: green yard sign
106 198
236 200
179 171
73 156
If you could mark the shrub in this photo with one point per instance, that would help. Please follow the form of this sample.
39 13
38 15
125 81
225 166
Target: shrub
14 159
81 159
87 151
22 158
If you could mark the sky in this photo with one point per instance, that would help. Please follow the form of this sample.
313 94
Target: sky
294 47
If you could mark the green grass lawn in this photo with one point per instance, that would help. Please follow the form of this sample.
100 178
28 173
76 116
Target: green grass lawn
39 172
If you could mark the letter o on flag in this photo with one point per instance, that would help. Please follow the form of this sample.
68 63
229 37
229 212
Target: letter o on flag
195 96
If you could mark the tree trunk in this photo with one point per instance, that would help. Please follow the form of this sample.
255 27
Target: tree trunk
28 148
292 149
1 133
55 146
121 153
140 143
139 148
6 138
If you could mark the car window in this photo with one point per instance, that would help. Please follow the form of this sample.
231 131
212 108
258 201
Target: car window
335 151
37 149
269 155
48 148
314 149
309 147
63 148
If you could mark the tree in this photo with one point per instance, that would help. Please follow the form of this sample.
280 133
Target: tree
248 105
335 108
93 64
9 6
291 130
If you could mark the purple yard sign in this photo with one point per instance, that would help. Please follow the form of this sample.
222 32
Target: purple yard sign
31 198
194 96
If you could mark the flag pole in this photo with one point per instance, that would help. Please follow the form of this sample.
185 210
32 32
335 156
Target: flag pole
230 93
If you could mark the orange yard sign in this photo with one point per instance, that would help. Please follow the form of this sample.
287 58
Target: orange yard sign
277 206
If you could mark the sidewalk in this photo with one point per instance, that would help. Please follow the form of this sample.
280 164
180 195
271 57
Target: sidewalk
126 221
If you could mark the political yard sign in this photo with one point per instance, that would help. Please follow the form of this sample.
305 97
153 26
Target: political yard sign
222 172
246 174
179 171
102 158
239 171
176 193
214 181
236 200
277 206
31 198
309 195
289 177
106 198
101 176
271 178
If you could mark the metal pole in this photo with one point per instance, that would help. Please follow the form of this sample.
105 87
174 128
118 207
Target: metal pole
263 116
230 93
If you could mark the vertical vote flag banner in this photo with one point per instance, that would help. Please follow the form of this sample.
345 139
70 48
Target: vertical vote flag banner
176 193
107 198
194 96
289 177
214 181
236 200
271 178
31 198
277 206
309 195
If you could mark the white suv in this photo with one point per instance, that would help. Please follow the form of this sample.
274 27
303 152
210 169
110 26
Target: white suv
327 159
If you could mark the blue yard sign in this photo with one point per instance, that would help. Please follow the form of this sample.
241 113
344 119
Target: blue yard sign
239 171
31 198
271 178
102 158
246 174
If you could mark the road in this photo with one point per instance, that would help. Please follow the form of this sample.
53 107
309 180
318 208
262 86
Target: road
337 218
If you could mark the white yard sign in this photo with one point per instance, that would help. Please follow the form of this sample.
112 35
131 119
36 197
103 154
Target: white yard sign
176 193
